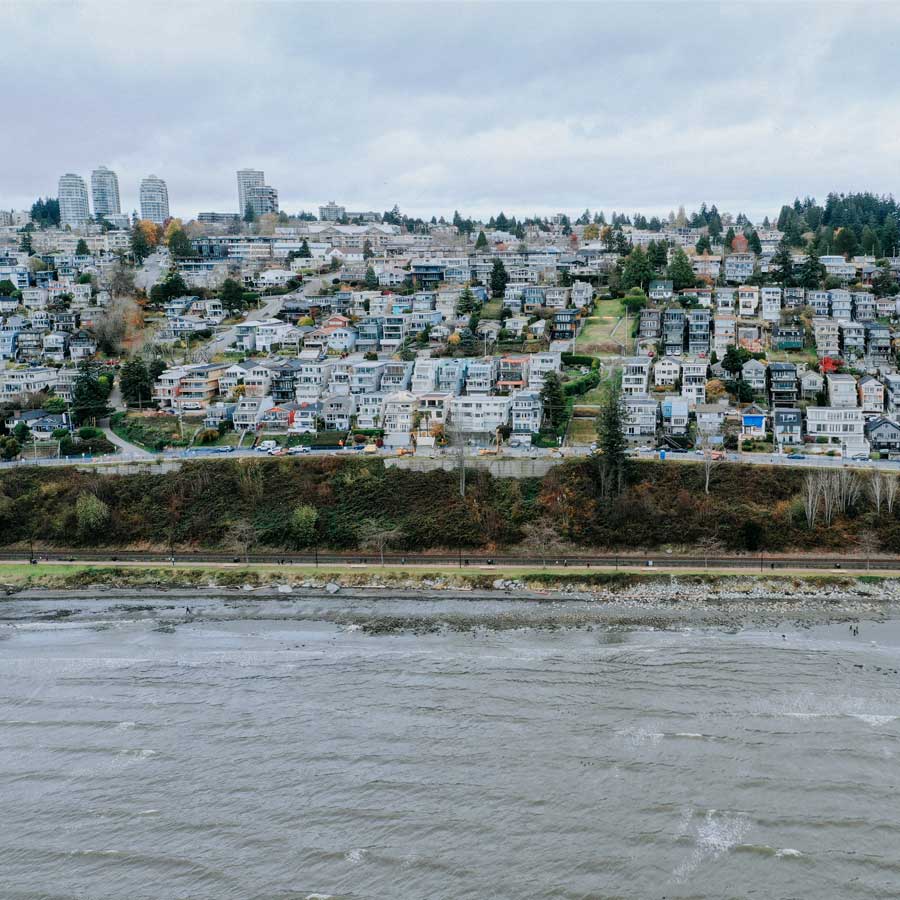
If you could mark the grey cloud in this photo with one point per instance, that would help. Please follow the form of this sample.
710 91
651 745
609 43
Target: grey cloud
526 107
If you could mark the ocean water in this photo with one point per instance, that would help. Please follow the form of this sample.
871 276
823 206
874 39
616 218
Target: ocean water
248 753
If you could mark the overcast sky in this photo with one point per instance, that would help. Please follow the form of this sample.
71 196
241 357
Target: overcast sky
525 107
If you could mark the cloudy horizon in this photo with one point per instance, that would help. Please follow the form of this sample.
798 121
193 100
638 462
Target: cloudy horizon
530 108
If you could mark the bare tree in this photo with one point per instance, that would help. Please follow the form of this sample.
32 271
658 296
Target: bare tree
828 487
875 485
848 488
121 280
241 536
890 492
709 461
377 537
542 538
812 495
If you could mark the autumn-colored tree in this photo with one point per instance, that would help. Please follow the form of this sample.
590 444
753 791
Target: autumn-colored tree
715 390
151 231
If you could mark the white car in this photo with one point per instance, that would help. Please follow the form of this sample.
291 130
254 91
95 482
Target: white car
293 451
267 446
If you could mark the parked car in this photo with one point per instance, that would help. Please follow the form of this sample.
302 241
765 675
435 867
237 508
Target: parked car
293 451
796 456
267 446
224 449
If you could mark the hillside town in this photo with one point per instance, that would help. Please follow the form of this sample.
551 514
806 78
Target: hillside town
359 329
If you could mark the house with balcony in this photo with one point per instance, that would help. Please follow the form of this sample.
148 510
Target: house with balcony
636 376
748 301
852 339
673 327
839 425
784 388
650 328
512 373
883 435
770 303
878 344
787 427
788 336
198 386
565 325
660 291
694 371
827 335
479 416
666 371
539 365
675 416
871 395
726 300
698 331
249 411
526 412
842 390
399 412
481 375
641 419
338 411
739 267
753 372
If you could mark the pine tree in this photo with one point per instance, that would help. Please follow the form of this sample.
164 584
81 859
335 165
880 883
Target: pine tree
371 279
88 397
482 242
232 296
729 237
553 400
304 252
811 271
636 271
81 248
26 245
781 266
466 304
612 460
140 246
134 381
499 279
249 215
367 249
704 245
753 243
680 271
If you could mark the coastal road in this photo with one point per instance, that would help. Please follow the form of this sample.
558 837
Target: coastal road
132 453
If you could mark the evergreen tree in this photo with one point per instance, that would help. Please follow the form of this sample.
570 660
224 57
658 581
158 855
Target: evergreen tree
304 252
658 254
81 248
553 399
704 245
680 271
249 215
729 237
753 243
883 282
88 397
811 271
26 245
482 242
466 304
781 266
845 242
371 279
180 244
135 382
367 249
612 460
140 245
733 361
232 296
636 271
499 278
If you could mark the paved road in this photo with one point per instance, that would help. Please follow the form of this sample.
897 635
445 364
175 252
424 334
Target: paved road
131 453
224 339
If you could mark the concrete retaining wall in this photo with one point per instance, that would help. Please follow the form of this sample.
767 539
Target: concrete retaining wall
499 467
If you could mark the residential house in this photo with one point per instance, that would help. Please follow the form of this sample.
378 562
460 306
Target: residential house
479 416
710 418
540 365
249 411
666 371
852 339
787 427
753 372
748 301
788 336
883 435
770 301
675 416
842 391
693 379
871 395
753 423
698 329
399 412
840 425
784 389
811 385
481 375
337 411
641 419
724 333
526 412
636 376
827 335
660 291
673 324
892 393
